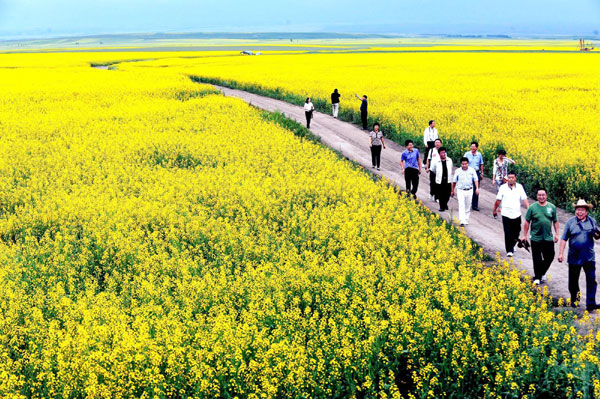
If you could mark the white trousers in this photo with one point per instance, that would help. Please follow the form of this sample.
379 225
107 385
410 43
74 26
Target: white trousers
336 108
464 198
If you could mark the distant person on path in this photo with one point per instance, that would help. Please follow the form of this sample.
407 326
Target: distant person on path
510 196
580 231
411 168
309 108
429 137
500 172
377 141
442 169
541 216
364 110
476 162
462 183
335 102
434 156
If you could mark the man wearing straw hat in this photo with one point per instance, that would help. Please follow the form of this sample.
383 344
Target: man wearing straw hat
580 231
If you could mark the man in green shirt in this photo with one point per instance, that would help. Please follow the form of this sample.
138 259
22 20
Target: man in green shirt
540 217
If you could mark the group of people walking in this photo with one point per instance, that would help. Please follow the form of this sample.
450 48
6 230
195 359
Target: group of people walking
309 108
464 182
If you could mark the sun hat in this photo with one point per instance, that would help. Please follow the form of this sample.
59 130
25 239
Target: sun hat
582 204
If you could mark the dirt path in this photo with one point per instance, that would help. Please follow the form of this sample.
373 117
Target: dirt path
353 143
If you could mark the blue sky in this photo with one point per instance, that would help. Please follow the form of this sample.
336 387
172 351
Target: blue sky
57 17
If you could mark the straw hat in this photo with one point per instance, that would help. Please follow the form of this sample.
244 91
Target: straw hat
582 204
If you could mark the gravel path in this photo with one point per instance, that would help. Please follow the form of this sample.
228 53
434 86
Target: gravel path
353 143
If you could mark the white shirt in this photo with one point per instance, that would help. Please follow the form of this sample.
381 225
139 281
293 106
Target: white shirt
438 169
308 107
434 156
511 200
430 135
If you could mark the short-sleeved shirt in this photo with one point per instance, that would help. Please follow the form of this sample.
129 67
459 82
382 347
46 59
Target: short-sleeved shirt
465 179
540 219
376 137
411 158
364 105
511 198
335 98
580 235
475 161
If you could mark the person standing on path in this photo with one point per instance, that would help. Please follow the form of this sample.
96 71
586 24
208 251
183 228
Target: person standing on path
511 195
541 216
434 156
377 141
580 231
364 110
463 181
429 137
442 170
500 171
411 168
476 162
335 102
309 108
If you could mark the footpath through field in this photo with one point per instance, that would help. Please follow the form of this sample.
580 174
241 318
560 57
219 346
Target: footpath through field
353 143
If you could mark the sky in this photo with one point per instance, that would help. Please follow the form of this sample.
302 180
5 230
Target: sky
46 18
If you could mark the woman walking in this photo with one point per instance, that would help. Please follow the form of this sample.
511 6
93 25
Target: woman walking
376 137
308 111
500 172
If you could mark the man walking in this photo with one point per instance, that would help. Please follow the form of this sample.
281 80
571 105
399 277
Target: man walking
510 196
541 216
335 102
442 170
434 156
580 231
364 112
429 136
411 168
463 181
476 162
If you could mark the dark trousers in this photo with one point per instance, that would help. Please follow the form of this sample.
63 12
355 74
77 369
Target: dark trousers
308 118
443 194
430 145
411 178
376 155
542 253
432 185
363 118
475 201
512 229
590 279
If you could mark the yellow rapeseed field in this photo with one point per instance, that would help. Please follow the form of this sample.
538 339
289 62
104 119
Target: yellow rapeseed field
539 107
160 240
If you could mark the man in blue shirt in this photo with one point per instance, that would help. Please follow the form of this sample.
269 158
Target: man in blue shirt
411 168
364 105
476 162
581 231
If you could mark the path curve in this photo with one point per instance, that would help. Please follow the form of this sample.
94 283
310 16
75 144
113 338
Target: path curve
353 143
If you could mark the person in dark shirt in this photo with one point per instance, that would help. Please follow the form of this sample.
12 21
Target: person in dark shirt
580 232
363 110
442 171
335 102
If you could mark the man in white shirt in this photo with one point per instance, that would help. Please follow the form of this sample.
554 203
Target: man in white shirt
429 137
510 196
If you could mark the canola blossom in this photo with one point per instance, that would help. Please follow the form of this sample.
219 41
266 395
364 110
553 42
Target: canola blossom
160 240
539 107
